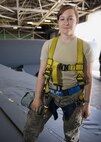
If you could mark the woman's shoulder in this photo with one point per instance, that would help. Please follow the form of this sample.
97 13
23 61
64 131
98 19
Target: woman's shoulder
48 41
86 44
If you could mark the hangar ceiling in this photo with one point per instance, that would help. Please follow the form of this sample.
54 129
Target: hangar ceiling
29 15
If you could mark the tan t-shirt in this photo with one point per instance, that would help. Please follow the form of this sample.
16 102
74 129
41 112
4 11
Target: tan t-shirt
66 53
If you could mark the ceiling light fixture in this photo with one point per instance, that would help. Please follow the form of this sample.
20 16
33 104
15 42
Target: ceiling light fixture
48 21
15 27
39 27
30 23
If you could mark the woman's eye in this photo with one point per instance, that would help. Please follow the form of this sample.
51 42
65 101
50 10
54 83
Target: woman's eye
71 18
61 19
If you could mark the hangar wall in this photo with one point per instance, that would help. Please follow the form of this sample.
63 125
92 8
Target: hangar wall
17 53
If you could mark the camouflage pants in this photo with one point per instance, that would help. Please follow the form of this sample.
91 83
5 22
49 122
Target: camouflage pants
35 124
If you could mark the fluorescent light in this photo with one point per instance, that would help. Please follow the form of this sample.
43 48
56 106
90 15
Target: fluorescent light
48 21
30 22
15 27
57 28
39 27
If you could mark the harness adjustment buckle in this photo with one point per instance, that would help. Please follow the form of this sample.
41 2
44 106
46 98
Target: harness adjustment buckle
79 67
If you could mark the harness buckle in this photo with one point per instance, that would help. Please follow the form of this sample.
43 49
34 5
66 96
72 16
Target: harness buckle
76 67
79 67
80 80
63 67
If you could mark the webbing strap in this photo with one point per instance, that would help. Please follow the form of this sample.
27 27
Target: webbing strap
79 51
80 61
54 63
52 48
75 67
49 64
55 73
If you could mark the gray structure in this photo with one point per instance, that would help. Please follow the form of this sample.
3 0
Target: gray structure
21 53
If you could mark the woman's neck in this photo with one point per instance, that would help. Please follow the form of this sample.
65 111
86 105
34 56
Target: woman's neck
66 38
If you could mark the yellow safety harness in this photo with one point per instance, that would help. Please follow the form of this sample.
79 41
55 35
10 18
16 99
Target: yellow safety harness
53 67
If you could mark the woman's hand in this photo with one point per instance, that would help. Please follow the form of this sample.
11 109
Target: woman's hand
86 110
36 104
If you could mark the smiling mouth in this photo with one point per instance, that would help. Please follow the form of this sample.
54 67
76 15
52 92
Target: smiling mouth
66 28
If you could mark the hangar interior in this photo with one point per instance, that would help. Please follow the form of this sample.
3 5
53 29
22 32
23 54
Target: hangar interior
22 19
24 27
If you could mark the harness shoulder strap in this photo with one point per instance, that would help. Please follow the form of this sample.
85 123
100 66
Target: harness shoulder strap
52 48
48 70
79 51
80 62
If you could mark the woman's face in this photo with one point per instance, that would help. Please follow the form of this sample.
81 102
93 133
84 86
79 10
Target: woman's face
67 22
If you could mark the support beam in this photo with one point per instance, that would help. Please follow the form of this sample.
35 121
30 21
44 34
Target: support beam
17 5
3 7
3 16
50 11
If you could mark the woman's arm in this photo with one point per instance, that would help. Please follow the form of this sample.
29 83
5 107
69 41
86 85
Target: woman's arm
88 89
39 87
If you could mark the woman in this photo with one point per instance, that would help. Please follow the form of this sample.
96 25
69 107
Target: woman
65 53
